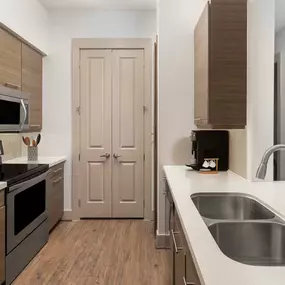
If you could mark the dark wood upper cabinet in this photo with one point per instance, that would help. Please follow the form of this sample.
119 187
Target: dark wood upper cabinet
221 65
32 84
10 60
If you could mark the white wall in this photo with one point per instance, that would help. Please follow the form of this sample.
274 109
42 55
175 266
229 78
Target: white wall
260 89
65 25
280 48
29 19
177 20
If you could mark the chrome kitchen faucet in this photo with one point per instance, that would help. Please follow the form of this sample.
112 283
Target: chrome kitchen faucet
262 169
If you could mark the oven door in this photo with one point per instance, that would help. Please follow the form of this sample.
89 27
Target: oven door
26 209
14 114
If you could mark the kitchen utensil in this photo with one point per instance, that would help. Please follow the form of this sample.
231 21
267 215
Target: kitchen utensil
34 143
24 141
39 137
27 141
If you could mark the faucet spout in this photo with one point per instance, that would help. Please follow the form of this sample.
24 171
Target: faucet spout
262 169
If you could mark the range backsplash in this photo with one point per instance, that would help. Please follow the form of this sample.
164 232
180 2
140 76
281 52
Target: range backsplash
13 145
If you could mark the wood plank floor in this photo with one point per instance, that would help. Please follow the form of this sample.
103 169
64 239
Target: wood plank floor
105 252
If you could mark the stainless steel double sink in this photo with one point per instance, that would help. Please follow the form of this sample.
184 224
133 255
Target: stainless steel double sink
244 229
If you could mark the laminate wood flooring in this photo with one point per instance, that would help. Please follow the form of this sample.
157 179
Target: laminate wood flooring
105 252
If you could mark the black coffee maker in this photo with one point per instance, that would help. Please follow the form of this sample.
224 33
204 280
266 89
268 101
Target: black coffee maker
210 144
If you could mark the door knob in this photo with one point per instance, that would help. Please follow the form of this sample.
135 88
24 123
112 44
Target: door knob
115 155
106 155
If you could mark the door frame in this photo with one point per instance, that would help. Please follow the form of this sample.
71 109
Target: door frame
135 43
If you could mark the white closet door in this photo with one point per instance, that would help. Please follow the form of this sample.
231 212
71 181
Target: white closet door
96 105
127 130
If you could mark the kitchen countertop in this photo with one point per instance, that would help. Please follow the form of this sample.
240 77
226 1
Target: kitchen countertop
3 185
51 161
214 268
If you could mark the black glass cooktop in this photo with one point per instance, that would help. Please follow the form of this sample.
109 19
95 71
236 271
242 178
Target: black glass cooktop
15 173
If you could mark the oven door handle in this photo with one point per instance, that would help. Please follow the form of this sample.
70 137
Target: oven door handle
25 115
29 183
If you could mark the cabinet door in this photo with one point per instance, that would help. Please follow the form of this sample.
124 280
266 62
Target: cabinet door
171 252
10 60
191 273
55 195
179 252
228 63
201 74
32 84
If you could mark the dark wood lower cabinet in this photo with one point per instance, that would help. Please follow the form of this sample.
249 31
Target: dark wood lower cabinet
55 192
183 268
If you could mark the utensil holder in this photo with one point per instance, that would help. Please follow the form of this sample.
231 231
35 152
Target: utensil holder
32 153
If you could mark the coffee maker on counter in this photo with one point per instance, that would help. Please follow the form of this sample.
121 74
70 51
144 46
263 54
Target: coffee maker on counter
210 144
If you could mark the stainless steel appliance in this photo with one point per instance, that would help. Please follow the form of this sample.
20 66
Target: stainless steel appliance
14 110
26 214
2 236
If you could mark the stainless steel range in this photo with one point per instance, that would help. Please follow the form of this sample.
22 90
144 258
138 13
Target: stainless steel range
26 214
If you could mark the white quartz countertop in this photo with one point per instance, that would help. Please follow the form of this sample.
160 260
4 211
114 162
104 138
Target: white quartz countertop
51 161
3 185
214 268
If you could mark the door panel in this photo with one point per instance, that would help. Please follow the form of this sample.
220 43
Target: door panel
96 92
96 181
127 187
127 181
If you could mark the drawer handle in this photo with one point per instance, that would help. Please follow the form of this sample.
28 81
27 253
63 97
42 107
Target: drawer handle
57 171
35 126
57 180
187 283
11 85
177 249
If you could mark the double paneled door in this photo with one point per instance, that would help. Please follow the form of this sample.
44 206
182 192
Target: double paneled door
111 132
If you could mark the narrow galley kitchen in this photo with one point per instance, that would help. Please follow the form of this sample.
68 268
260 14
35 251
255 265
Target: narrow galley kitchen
78 143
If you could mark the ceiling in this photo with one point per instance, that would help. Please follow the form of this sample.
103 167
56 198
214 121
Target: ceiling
102 4
280 14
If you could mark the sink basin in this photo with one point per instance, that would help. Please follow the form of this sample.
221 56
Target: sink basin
252 243
230 207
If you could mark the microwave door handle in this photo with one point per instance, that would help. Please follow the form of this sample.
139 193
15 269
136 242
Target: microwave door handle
25 115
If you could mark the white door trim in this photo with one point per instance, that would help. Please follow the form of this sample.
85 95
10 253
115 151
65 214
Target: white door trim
146 44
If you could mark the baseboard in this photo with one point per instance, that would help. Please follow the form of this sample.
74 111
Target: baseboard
162 240
67 215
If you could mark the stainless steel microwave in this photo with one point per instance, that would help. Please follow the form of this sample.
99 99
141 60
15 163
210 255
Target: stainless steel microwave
14 110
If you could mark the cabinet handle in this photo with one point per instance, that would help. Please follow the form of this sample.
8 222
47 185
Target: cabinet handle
177 249
57 171
11 85
25 115
57 180
187 283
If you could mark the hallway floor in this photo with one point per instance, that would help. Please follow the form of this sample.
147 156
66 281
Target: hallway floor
105 252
